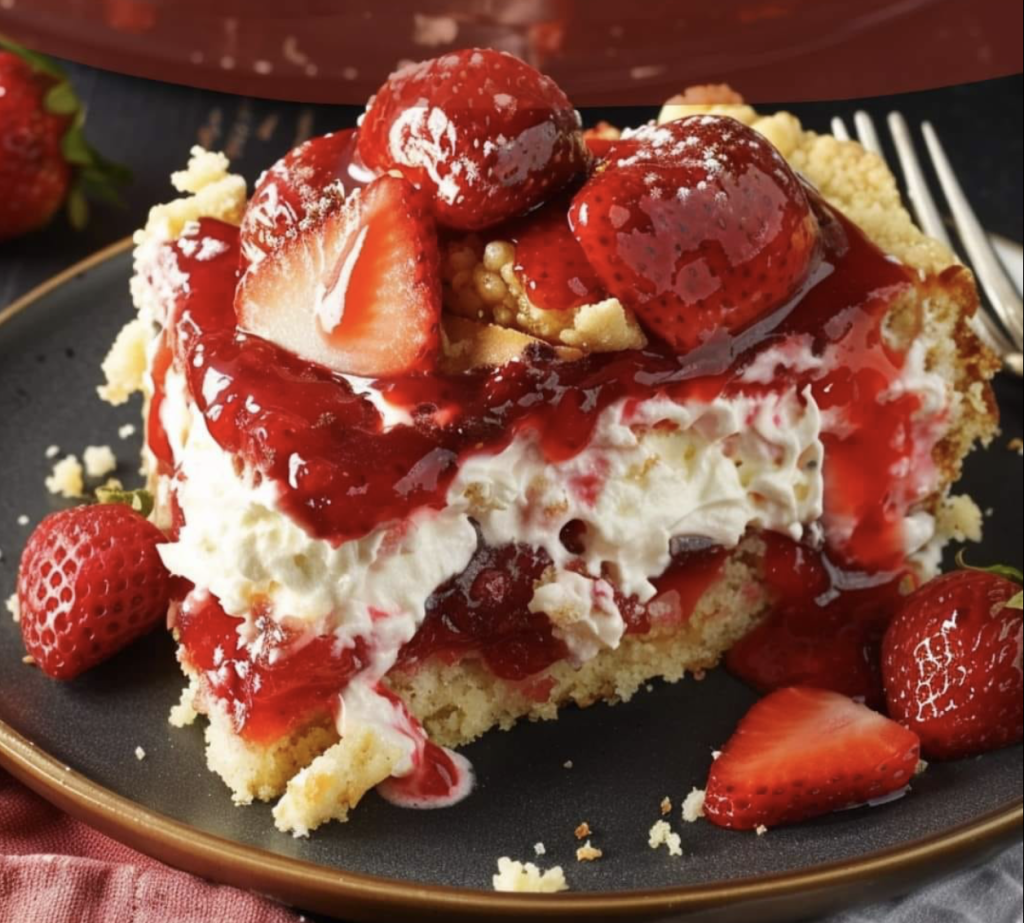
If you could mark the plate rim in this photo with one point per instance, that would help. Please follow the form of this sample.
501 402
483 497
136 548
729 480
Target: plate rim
319 888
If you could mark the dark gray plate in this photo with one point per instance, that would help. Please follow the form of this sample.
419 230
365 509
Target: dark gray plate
625 759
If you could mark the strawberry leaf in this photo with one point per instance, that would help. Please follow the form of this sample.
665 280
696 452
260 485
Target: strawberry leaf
78 208
1016 602
139 500
60 99
36 61
1001 570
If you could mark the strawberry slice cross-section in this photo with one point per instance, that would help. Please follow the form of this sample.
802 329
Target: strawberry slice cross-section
358 290
802 752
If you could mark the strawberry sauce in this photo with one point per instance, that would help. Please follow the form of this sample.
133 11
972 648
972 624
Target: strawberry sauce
341 473
276 682
825 628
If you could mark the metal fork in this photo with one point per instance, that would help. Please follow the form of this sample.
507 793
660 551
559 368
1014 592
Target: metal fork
1001 327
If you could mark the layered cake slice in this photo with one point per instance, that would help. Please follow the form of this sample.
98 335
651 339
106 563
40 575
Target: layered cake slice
467 416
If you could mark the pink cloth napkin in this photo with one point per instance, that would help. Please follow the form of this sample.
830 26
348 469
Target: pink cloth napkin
54 869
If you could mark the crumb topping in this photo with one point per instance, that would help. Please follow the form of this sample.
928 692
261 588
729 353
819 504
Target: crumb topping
662 834
665 806
480 284
525 877
66 479
99 460
583 830
588 853
693 806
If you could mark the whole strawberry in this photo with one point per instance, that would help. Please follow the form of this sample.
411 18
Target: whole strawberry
44 160
951 663
90 583
698 225
487 135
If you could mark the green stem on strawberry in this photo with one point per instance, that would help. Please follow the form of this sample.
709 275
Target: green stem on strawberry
1000 570
139 500
95 177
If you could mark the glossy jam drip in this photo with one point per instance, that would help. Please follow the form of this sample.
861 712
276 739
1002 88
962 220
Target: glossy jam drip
550 265
439 778
341 473
484 612
825 627
280 680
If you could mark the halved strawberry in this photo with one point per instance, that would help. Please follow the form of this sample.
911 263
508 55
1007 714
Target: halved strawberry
359 291
802 752
300 184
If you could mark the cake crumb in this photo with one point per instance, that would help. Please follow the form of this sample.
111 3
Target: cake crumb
124 367
66 479
715 754
140 754
921 766
567 764
28 660
760 830
588 853
99 460
52 451
126 431
539 849
1016 444
23 520
13 607
666 805
693 806
661 834
526 877
583 830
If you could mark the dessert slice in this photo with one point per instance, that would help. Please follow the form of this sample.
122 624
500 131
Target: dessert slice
465 424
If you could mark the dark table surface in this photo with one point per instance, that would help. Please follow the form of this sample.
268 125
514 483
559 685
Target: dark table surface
151 126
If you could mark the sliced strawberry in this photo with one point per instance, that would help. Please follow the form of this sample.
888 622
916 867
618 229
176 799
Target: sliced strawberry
550 264
699 225
487 135
300 184
359 290
802 752
951 663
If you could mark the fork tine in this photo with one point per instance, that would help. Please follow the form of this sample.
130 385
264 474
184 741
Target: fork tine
1002 293
921 200
866 133
839 129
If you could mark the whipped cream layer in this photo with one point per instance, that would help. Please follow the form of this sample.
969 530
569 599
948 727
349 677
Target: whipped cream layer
653 471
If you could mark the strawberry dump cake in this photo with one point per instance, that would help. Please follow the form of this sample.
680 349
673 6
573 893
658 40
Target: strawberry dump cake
468 414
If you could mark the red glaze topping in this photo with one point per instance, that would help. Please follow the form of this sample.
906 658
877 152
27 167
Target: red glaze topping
342 474
275 683
486 134
698 225
358 289
550 264
299 185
